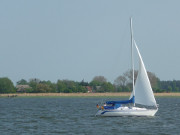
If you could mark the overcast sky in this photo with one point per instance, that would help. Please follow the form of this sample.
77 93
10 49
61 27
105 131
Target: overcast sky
80 39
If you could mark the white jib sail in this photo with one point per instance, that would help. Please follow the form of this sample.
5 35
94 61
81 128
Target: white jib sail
143 91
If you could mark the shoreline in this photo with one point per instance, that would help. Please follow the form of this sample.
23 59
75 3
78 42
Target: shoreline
119 94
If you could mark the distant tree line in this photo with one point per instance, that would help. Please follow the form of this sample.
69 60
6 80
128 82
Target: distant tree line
122 83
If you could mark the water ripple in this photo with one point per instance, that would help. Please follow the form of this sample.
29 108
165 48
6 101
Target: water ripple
76 116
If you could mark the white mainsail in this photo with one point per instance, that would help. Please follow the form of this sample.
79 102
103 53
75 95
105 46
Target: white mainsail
143 91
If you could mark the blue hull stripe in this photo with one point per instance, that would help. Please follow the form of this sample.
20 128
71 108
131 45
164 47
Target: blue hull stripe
108 111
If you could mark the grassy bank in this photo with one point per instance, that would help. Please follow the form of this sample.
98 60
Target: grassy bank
122 94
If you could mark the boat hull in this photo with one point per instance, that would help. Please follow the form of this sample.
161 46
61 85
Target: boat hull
126 111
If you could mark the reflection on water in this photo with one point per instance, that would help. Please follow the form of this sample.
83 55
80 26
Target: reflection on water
77 116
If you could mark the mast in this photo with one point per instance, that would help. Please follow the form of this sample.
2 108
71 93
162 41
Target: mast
132 57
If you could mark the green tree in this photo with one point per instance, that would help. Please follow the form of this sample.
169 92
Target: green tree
22 82
106 87
51 85
36 80
68 86
97 83
6 85
43 88
83 83
33 85
61 87
100 79
169 89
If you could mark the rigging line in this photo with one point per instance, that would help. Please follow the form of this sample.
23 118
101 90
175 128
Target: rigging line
132 57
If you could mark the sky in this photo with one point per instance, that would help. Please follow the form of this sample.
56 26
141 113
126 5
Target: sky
81 39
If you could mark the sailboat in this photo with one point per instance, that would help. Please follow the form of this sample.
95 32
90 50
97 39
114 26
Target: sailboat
142 101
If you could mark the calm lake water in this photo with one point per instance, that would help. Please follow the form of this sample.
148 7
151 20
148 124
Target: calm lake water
76 116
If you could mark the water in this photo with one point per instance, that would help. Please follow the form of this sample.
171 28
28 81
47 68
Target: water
76 116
